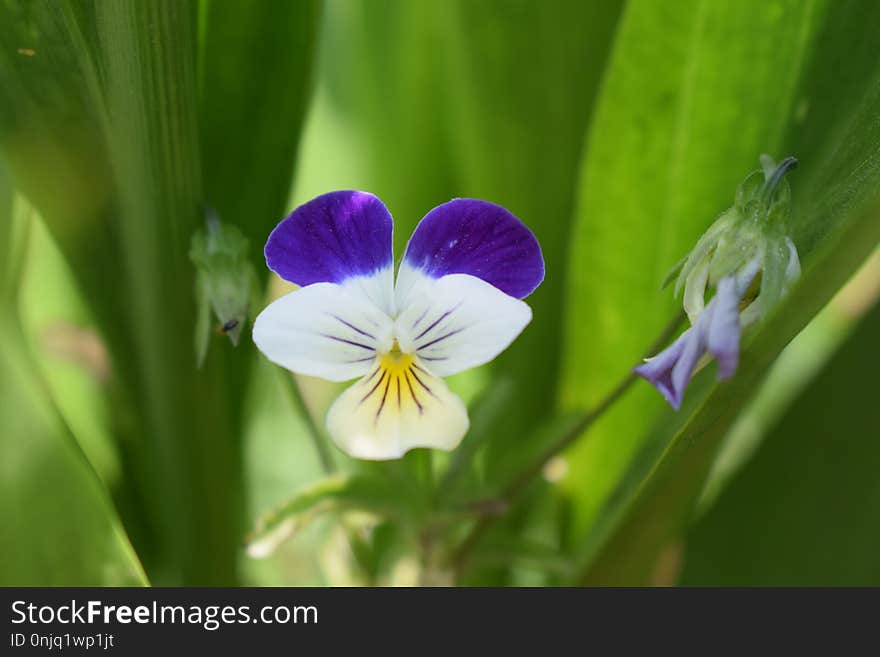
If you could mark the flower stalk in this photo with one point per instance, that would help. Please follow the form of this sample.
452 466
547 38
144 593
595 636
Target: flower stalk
492 510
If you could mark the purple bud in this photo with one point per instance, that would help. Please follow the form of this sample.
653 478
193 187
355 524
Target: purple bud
716 332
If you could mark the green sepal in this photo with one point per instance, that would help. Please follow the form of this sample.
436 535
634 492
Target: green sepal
755 227
748 195
225 282
337 493
673 274
773 281
764 197
734 249
705 245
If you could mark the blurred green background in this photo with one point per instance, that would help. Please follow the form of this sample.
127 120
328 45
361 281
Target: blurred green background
618 131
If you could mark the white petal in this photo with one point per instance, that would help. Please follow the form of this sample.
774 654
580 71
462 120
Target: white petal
457 322
409 285
747 273
398 406
695 290
793 269
750 315
378 287
768 164
326 330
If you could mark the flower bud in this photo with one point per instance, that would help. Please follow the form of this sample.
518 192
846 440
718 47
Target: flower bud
747 258
225 281
748 240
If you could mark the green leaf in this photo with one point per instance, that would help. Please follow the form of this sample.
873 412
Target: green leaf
337 493
804 510
69 353
5 225
58 526
695 91
525 78
835 225
461 480
226 282
11 252
50 496
379 123
657 495
188 420
99 126
50 138
789 376
534 557
256 70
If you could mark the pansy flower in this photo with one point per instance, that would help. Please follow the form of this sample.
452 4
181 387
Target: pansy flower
749 260
454 304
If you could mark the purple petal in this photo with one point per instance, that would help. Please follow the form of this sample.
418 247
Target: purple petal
716 331
724 330
658 371
467 236
331 238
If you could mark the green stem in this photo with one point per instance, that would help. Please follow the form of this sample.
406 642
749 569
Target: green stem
319 442
525 477
291 387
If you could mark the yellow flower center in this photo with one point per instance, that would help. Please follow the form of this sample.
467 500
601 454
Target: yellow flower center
395 362
396 381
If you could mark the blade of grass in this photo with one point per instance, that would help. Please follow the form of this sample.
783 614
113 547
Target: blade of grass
835 224
798 491
36 447
693 93
256 62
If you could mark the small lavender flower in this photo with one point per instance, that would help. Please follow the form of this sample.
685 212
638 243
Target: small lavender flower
454 304
750 261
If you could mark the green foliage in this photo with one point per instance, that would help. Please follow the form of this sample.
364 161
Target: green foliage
518 131
36 447
693 93
803 511
838 207
226 283
104 141
256 69
338 493
390 99
618 131
59 527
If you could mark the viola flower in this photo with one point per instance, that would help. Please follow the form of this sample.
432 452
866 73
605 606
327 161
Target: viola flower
455 304
750 261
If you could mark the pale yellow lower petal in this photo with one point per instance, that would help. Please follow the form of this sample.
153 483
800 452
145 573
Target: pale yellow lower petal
398 406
